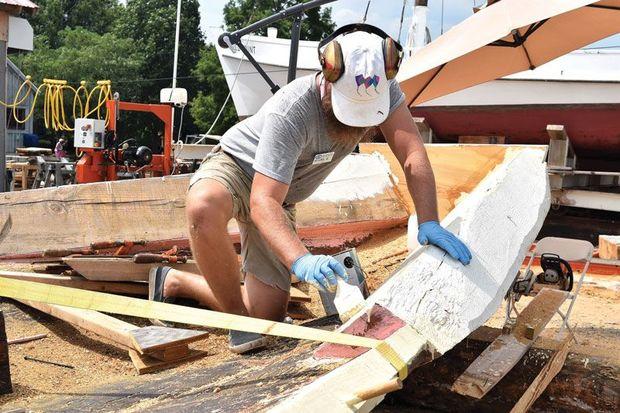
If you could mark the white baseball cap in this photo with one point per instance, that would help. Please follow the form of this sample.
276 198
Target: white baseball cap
361 97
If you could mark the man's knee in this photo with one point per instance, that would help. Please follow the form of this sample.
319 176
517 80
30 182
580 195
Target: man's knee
209 203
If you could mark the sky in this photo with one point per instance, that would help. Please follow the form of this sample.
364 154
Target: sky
382 13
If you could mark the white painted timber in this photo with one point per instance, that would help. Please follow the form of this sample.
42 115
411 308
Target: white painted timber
441 300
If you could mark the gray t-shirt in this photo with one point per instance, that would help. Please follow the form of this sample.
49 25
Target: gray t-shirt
287 139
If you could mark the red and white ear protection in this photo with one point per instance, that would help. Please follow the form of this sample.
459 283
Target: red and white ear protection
332 60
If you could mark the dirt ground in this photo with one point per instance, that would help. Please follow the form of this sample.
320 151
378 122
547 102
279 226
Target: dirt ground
96 361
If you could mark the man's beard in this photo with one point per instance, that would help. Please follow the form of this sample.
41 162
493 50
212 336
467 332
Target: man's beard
337 130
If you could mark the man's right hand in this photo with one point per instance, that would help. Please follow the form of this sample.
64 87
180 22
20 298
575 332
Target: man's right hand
319 271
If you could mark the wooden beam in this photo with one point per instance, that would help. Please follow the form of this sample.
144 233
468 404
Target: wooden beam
609 247
440 300
487 139
151 339
101 324
154 347
426 133
130 288
540 383
145 364
506 351
119 269
561 153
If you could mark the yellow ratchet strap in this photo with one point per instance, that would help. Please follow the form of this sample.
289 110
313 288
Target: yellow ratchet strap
388 353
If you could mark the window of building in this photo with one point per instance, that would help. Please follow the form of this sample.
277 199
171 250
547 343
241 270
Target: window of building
10 120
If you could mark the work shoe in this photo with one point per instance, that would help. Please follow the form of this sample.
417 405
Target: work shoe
241 342
157 278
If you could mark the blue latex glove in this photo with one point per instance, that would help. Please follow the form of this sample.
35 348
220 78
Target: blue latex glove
431 232
319 271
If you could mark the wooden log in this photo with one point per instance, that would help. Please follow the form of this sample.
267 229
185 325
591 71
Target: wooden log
506 351
131 288
439 299
6 385
74 216
609 247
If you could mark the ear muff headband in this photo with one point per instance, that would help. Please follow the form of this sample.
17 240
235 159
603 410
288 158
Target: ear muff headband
332 60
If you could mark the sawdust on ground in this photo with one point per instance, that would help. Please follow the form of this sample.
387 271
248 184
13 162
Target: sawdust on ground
97 361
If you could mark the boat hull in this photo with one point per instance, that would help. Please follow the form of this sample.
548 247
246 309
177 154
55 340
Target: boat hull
594 130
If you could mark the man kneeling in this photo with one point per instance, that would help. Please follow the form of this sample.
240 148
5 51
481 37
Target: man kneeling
277 158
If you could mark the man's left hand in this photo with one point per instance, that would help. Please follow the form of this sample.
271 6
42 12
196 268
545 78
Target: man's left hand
431 232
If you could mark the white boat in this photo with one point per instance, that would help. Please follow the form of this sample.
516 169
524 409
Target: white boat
249 90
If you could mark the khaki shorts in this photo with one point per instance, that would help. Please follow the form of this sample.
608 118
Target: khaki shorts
256 256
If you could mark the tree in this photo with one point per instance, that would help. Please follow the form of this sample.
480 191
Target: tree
151 24
82 55
206 105
208 72
56 15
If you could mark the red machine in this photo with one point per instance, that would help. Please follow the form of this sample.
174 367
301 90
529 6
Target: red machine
106 159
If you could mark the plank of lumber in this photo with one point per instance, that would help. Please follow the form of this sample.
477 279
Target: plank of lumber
103 325
116 304
441 300
119 269
299 296
506 351
130 288
69 215
609 247
548 372
127 335
114 287
145 364
154 338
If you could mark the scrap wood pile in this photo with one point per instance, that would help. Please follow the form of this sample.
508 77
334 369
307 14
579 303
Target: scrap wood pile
150 347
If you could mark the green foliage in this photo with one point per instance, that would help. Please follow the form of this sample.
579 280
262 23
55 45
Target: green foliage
151 24
56 15
238 14
212 95
84 55
81 55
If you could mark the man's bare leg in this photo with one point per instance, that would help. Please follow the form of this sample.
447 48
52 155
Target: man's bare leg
188 285
262 300
265 301
209 208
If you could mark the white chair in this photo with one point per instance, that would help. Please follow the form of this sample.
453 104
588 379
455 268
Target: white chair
572 250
